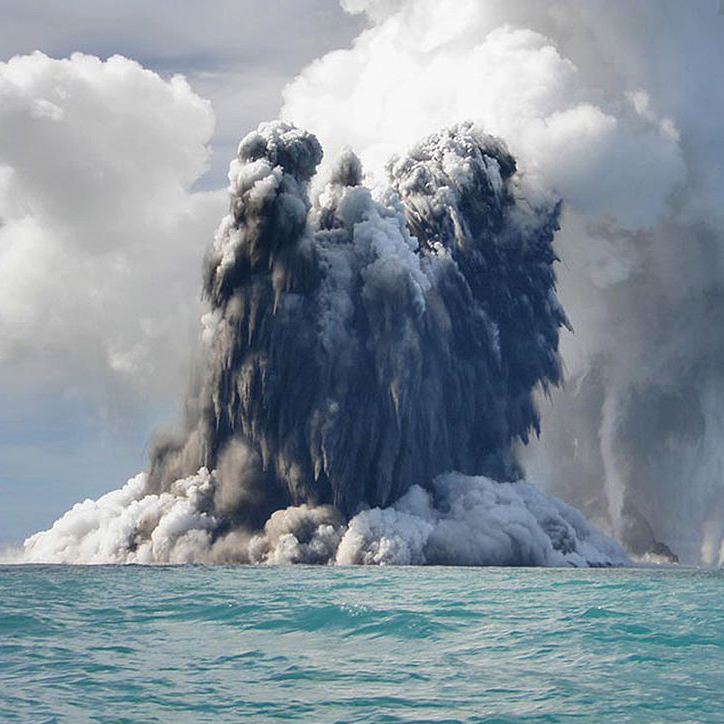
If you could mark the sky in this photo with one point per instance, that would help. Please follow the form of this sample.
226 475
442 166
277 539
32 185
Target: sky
112 175
82 387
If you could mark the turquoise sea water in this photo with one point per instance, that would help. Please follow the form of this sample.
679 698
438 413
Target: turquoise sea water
243 644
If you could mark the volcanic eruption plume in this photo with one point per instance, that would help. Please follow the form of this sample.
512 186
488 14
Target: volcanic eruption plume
370 359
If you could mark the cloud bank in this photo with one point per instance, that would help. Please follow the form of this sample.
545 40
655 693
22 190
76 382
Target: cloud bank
100 237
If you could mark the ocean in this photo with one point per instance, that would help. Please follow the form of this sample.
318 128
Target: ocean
376 644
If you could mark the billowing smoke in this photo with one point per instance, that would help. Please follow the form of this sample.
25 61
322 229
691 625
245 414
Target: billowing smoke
617 106
359 347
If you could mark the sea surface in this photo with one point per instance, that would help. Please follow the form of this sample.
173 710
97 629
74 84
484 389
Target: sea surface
384 645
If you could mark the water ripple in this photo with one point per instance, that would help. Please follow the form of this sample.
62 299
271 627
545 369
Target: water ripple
199 644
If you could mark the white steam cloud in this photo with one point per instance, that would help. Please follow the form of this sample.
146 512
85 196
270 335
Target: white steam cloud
462 521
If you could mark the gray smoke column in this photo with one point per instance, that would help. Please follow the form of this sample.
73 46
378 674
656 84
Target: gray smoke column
359 348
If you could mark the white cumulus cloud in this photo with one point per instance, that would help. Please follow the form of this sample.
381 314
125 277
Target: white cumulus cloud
100 235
